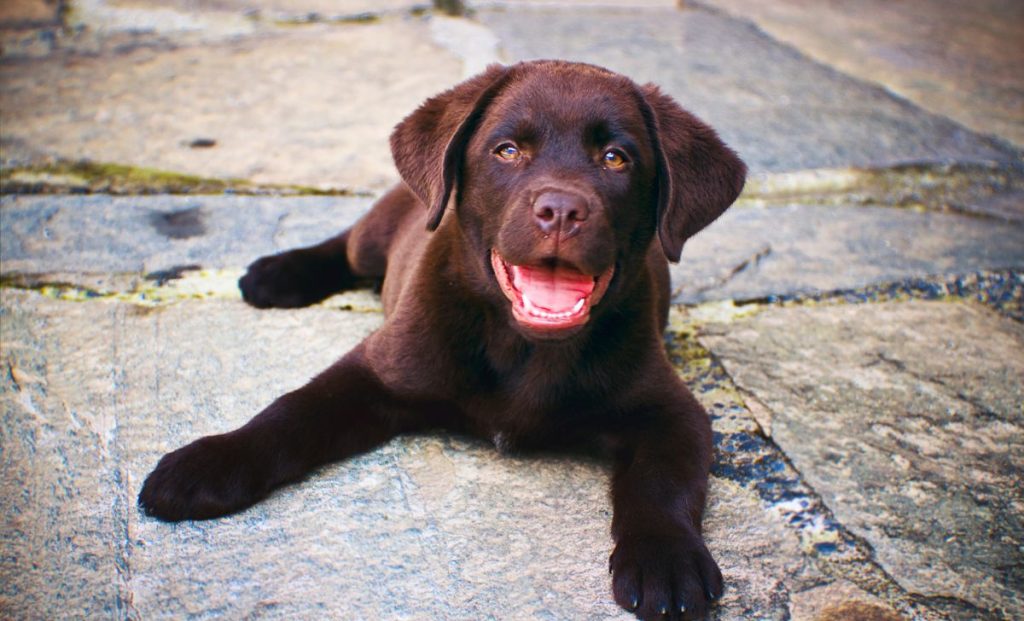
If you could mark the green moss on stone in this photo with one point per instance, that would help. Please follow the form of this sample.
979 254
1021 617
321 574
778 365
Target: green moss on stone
87 177
920 186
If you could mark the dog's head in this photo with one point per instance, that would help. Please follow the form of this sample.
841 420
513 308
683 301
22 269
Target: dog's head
562 174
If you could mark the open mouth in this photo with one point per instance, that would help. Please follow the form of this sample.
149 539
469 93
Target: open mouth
549 298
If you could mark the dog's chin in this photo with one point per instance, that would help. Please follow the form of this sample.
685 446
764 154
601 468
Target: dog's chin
550 301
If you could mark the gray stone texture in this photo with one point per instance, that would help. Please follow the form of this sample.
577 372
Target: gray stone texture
427 527
868 456
18 14
749 253
755 252
907 419
275 9
311 106
954 59
145 234
780 111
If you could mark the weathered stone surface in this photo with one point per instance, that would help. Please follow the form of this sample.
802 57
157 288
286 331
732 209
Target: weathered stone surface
921 458
311 106
571 4
24 13
281 9
147 234
28 28
906 418
753 252
424 527
94 20
987 189
777 108
960 60
840 601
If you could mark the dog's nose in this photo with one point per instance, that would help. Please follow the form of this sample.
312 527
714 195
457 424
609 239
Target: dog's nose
560 212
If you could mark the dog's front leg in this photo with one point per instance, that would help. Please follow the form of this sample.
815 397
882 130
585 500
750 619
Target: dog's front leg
343 411
661 567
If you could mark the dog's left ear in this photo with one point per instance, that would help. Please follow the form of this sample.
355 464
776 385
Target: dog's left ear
428 145
698 176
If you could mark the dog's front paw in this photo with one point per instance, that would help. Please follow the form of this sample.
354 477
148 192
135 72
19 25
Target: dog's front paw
665 577
209 478
290 279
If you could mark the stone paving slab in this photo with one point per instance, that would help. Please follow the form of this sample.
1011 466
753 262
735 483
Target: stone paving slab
867 456
749 253
778 108
915 409
27 13
143 102
425 527
957 59
756 252
311 106
982 189
281 9
91 234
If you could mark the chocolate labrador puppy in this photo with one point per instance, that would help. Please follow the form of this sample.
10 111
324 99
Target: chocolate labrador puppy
524 271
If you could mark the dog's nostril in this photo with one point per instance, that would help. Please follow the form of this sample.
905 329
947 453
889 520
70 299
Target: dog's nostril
545 214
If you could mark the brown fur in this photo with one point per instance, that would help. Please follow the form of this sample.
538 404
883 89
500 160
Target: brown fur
450 353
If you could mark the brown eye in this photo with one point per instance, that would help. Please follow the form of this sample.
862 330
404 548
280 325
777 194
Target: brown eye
508 152
614 159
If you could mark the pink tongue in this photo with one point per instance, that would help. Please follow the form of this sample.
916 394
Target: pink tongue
556 289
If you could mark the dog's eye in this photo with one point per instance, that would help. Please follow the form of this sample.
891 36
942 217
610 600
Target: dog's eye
509 152
614 159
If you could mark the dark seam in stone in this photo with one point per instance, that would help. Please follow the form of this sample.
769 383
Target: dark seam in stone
1001 290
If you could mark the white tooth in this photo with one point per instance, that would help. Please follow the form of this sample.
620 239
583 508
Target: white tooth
536 311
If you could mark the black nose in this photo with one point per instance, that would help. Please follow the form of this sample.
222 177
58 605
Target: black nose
560 212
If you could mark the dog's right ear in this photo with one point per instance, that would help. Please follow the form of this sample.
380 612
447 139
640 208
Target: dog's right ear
428 145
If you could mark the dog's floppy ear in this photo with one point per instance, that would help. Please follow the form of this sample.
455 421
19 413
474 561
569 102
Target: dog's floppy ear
698 176
428 145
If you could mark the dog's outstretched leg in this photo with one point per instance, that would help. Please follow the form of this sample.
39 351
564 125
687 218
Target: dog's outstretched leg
344 411
661 567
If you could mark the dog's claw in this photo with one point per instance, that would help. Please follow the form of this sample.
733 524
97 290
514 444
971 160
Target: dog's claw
669 570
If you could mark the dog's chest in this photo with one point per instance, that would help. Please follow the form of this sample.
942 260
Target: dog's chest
525 414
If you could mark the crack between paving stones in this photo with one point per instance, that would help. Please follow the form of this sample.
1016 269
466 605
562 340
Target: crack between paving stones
878 581
890 590
123 506
913 185
345 19
977 286
170 287
750 263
